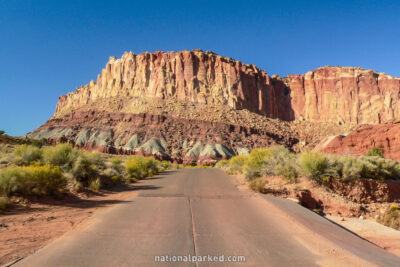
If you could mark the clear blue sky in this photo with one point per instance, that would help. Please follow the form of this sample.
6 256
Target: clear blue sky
48 48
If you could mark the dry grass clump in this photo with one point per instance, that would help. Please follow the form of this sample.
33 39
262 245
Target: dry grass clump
391 217
258 184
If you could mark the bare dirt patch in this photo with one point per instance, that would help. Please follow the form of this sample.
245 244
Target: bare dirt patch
27 226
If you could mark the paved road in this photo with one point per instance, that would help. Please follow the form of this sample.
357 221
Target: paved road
198 212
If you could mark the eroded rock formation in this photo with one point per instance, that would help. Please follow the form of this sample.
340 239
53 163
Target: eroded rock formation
345 95
199 106
384 136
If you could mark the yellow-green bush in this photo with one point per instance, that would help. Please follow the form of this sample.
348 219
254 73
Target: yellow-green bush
63 155
164 165
276 160
222 164
31 180
95 185
258 184
3 202
26 154
314 165
237 163
391 217
140 167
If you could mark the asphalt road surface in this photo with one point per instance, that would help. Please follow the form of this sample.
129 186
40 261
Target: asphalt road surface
201 212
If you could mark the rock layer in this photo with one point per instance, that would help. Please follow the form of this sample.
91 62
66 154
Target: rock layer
199 106
384 136
345 95
164 137
189 76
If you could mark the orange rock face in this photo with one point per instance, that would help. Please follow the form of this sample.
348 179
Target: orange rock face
189 76
345 95
384 136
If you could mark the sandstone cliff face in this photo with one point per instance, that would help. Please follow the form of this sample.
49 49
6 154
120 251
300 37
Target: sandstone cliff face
189 76
345 95
195 105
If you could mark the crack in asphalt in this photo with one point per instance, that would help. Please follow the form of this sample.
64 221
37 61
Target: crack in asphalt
193 229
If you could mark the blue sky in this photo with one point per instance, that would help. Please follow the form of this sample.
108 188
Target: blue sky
48 48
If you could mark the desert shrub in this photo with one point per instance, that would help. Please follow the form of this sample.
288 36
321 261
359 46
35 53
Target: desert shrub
2 132
375 167
84 171
164 165
3 202
391 217
276 160
140 167
287 170
258 184
63 155
237 163
222 164
116 164
257 163
314 165
32 180
26 154
374 151
95 158
95 185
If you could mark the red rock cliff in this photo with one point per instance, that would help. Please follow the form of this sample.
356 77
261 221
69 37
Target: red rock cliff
189 76
345 95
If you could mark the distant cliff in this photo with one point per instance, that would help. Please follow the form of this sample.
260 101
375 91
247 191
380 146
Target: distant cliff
195 105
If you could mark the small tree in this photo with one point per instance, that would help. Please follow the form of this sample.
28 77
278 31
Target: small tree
374 151
2 132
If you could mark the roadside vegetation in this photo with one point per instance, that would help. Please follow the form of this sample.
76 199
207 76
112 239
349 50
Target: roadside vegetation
36 170
317 166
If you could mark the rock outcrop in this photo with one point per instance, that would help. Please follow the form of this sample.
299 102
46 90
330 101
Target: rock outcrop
345 95
198 106
188 76
383 136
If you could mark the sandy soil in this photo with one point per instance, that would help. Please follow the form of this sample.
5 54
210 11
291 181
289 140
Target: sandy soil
26 227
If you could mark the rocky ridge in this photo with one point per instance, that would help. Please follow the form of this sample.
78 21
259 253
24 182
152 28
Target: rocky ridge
199 106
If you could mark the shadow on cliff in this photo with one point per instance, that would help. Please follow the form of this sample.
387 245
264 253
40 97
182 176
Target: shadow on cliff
283 99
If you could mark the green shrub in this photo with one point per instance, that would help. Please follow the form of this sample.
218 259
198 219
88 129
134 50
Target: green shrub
32 180
374 151
314 165
140 167
2 132
3 202
63 155
164 165
257 163
26 154
116 164
96 158
222 164
237 163
258 185
95 185
375 167
84 171
288 171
